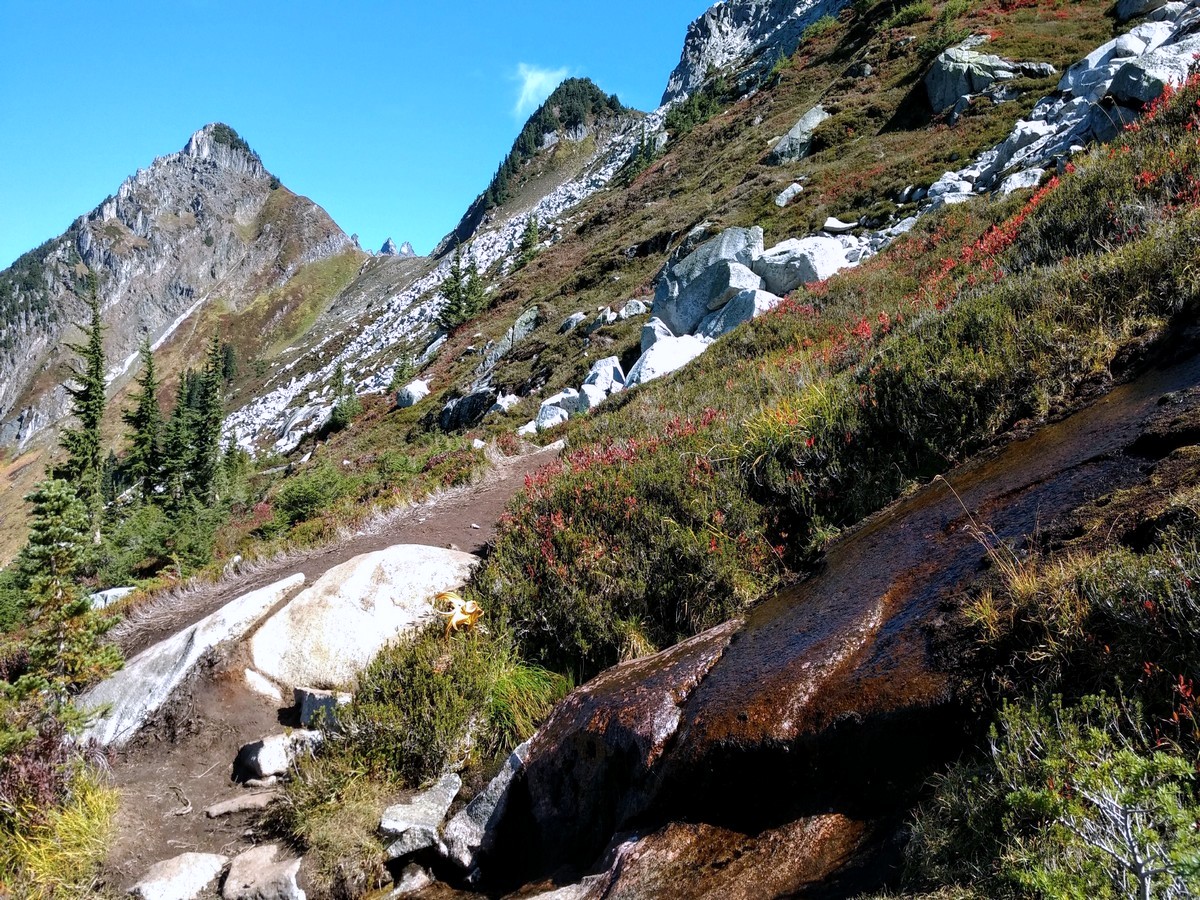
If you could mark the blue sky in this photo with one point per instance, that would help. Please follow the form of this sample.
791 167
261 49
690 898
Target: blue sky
392 116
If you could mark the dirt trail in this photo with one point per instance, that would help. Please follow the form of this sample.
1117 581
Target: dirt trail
181 762
463 517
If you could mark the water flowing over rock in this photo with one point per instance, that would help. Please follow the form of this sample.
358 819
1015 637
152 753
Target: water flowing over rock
732 33
773 726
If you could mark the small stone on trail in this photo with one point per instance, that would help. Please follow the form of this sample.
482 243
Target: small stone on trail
255 875
248 803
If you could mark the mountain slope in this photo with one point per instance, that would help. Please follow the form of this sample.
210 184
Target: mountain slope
205 223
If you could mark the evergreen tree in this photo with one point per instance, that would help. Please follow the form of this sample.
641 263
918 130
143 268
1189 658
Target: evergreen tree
65 650
210 416
456 309
229 365
178 445
530 239
145 462
83 466
347 407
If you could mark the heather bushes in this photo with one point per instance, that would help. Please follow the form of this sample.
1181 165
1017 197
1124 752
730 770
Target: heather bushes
627 547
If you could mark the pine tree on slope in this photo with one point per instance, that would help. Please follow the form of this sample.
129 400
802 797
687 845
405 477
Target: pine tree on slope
83 467
145 462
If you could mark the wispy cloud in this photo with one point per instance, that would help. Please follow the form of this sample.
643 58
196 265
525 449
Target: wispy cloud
536 85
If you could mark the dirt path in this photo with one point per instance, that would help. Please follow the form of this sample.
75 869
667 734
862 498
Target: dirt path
465 518
181 761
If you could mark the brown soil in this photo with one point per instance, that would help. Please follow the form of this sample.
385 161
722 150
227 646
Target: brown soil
181 762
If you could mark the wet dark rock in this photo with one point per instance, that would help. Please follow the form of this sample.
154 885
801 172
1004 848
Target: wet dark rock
799 736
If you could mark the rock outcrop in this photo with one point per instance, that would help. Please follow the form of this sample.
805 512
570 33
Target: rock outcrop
413 826
794 145
129 697
961 72
735 32
329 632
758 742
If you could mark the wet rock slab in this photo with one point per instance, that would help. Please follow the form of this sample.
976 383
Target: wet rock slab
821 714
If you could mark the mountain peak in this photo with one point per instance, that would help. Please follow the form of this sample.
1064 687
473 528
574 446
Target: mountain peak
732 32
389 248
221 144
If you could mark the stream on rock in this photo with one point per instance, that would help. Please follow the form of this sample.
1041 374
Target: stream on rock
778 752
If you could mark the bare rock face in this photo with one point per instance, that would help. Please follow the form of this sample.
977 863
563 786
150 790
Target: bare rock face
733 33
327 634
207 220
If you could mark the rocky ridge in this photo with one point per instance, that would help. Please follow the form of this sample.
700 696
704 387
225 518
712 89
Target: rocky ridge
734 32
207 222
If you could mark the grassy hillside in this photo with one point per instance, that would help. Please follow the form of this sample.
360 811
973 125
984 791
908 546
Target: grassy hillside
679 503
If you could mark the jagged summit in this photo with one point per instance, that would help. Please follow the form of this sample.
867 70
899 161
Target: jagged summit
206 221
216 141
735 31
389 248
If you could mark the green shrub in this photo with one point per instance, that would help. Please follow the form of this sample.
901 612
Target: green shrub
650 530
823 25
909 14
1075 802
56 851
414 703
698 108
303 496
344 412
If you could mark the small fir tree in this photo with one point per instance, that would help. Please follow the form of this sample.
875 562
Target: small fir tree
209 419
144 462
84 463
178 446
530 239
464 294
347 407
65 651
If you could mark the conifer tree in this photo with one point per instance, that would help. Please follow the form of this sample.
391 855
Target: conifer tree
83 466
530 238
65 649
178 446
145 418
210 416
455 311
